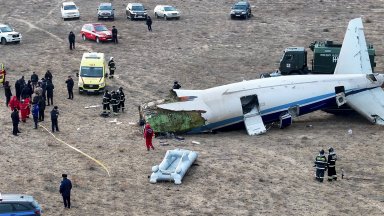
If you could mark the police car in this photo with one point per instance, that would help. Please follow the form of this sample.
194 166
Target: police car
18 204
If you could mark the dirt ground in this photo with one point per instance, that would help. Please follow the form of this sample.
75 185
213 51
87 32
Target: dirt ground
236 174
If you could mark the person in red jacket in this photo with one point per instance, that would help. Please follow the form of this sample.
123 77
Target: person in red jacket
24 109
148 135
14 103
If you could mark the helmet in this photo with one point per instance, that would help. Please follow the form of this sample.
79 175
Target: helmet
111 58
121 88
330 149
321 151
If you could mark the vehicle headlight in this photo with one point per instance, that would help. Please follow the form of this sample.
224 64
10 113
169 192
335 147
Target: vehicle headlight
102 84
232 12
243 12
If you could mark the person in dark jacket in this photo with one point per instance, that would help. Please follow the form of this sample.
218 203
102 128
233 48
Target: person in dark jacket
114 102
54 117
332 157
65 190
27 90
41 103
15 121
112 67
48 75
106 101
321 166
176 85
44 88
114 35
35 114
122 99
8 92
149 23
49 89
71 39
19 85
70 85
34 80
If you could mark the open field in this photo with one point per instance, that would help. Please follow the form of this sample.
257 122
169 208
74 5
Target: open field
236 174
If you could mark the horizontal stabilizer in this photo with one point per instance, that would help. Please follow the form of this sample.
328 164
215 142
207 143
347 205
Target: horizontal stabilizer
354 57
197 105
183 93
370 104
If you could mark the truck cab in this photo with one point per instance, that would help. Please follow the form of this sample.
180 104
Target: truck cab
92 73
294 61
325 56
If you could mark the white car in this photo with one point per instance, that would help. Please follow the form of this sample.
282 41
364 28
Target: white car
8 34
166 12
69 10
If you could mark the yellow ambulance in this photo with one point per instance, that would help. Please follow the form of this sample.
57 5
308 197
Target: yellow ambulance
92 74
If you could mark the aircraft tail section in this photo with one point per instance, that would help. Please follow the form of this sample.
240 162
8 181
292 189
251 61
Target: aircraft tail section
369 104
354 57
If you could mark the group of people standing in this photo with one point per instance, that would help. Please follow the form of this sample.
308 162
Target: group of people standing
116 99
322 164
31 97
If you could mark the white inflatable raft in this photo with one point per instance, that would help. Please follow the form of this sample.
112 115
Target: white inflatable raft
174 166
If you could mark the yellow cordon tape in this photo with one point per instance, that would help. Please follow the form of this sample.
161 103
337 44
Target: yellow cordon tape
74 148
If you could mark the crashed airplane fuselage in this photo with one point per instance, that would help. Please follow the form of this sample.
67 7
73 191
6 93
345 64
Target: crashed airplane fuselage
261 101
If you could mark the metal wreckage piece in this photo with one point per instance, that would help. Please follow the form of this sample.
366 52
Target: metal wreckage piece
168 121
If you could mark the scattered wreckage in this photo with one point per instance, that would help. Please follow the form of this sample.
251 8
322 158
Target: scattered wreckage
276 99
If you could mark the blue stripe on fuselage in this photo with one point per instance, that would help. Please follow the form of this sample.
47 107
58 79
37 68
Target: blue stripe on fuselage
312 104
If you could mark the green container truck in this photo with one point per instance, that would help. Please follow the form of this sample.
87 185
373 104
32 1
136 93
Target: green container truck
325 55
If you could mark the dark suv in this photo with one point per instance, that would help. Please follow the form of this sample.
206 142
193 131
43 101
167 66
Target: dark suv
241 9
18 204
105 11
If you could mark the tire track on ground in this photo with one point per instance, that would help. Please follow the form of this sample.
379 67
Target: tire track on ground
33 26
51 11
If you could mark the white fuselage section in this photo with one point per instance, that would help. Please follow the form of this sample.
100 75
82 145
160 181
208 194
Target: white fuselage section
277 94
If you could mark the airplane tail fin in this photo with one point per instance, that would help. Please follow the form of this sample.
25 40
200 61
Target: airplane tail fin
354 57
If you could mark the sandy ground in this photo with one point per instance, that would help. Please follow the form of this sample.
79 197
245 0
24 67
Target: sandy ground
236 174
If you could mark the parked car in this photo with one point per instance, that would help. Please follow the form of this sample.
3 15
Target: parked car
8 35
105 11
69 10
96 31
136 11
241 9
18 204
166 12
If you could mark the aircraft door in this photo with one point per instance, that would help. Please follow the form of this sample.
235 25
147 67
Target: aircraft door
340 95
252 118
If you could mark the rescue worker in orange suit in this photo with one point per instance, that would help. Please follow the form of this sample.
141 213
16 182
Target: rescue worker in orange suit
14 103
148 135
24 109
332 157
321 166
